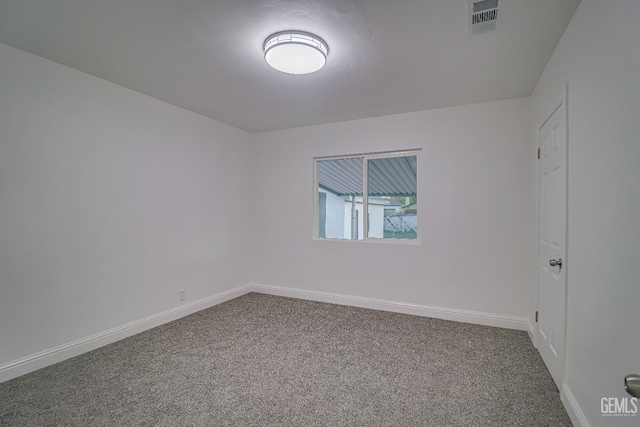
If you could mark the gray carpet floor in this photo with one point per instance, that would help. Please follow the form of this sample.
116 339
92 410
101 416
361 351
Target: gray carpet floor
262 360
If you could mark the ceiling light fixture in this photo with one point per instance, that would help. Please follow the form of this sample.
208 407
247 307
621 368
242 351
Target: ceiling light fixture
295 52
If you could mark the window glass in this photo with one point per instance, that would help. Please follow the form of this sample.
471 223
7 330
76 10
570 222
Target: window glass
372 196
340 189
392 198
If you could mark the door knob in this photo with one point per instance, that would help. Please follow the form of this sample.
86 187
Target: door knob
632 385
556 262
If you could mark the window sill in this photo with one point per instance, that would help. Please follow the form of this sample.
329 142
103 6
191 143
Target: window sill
410 242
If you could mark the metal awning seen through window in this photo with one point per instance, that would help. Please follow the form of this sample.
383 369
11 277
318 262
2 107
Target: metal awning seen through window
387 176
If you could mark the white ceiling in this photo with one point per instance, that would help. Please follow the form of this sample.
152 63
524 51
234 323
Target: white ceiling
385 56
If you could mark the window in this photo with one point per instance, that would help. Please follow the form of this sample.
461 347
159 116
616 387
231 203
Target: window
367 196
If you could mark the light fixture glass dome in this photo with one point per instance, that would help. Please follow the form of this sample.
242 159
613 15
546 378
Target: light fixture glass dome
295 52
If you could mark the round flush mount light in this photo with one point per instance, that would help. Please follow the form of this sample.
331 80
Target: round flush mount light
295 52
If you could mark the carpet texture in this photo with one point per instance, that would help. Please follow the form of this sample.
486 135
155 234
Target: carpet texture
262 360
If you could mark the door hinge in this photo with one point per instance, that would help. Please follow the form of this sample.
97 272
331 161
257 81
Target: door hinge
536 316
538 153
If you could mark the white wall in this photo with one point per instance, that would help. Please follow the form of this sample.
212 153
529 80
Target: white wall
110 202
376 217
476 184
376 220
347 208
599 58
334 227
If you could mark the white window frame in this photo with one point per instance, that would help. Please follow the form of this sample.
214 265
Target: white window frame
365 195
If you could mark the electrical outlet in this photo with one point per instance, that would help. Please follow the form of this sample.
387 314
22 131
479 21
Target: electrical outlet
183 294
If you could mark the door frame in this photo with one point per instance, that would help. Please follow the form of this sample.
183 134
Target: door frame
560 101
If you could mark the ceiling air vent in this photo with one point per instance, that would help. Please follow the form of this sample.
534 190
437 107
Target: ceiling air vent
483 15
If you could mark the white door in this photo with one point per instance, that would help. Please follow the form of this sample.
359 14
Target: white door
552 256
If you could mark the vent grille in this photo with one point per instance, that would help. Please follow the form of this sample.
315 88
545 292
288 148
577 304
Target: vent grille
483 5
483 15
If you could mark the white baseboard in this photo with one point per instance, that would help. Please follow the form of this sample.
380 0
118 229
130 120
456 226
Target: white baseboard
488 319
531 331
573 409
62 352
